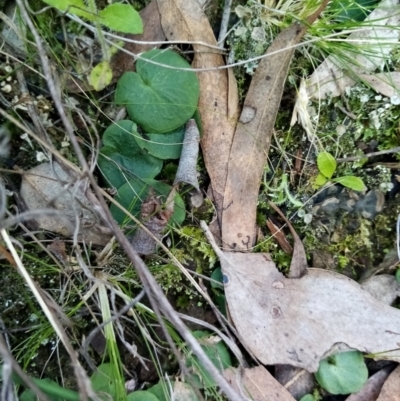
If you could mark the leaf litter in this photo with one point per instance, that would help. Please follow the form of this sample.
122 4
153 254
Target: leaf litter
307 313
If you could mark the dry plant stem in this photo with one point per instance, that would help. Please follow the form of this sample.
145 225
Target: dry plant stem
224 23
7 357
368 155
156 296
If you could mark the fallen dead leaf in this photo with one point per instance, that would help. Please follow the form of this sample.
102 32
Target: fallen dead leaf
254 130
372 387
298 321
390 390
386 83
218 104
384 287
257 383
332 76
50 186
155 219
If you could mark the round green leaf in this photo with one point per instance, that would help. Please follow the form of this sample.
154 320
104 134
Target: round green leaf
351 182
343 373
157 98
218 354
163 146
141 396
326 164
121 158
122 18
132 194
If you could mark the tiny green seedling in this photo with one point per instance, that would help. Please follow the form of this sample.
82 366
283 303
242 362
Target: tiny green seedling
327 166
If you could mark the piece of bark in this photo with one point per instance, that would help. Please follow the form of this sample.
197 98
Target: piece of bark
218 104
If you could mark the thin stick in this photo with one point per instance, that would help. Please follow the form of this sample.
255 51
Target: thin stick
224 23
368 155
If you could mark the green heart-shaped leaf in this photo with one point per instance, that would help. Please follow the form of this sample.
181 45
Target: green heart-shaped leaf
157 98
343 373
163 146
141 395
132 194
122 18
121 158
326 164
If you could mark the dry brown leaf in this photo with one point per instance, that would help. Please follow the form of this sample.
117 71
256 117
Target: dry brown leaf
386 83
252 139
372 387
258 384
331 77
155 219
390 390
49 186
218 103
298 321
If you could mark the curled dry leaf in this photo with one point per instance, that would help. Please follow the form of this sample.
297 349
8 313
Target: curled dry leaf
155 219
218 103
305 316
187 172
332 76
50 186
257 384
